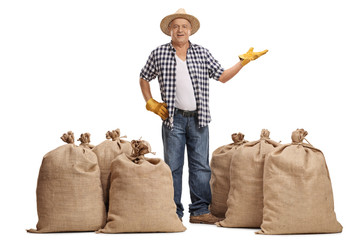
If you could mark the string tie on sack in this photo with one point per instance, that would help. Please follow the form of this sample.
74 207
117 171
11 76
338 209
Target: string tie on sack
114 135
139 149
265 134
85 140
238 138
68 137
299 135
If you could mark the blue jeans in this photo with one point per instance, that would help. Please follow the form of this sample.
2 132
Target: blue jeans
187 133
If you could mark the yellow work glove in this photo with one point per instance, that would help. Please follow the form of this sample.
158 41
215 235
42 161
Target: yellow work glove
157 108
250 56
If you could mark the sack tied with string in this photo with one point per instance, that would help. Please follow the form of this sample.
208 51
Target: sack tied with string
141 194
107 151
220 174
245 200
298 196
69 193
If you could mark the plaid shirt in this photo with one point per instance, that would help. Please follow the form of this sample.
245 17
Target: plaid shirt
201 65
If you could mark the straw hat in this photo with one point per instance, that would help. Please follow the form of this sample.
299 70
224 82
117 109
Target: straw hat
195 24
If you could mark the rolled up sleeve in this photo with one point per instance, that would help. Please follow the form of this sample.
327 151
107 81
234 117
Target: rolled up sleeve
149 71
214 67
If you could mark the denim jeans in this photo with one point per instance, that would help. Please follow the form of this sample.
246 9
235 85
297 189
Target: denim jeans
187 133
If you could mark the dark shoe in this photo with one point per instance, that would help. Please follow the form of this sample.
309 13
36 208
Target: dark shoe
207 218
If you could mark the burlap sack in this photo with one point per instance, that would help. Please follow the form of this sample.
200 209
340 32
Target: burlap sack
298 196
69 193
107 151
220 174
141 194
245 201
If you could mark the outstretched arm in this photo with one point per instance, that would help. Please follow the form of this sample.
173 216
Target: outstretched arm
231 72
244 59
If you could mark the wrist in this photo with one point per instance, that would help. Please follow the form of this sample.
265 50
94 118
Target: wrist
243 62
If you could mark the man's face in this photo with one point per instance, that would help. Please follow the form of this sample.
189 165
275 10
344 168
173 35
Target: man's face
180 30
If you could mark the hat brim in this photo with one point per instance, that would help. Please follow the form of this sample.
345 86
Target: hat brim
164 24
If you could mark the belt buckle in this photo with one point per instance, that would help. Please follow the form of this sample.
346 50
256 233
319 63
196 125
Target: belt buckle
186 113
189 113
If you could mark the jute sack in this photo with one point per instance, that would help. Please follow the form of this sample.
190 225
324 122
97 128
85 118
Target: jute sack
298 196
107 151
220 174
69 193
245 201
141 194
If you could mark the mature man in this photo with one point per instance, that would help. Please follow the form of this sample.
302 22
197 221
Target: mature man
183 70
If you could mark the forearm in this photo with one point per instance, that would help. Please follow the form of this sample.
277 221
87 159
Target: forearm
145 89
230 73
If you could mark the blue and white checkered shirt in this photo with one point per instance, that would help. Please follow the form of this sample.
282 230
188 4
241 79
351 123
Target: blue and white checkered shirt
201 65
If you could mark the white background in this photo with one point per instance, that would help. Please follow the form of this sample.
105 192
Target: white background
74 65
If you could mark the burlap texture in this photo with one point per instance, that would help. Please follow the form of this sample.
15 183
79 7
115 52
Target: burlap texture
69 193
141 195
298 196
107 151
220 174
245 200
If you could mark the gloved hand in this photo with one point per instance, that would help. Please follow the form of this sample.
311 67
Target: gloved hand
157 108
250 56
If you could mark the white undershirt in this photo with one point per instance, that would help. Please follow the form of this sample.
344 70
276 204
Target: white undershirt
184 98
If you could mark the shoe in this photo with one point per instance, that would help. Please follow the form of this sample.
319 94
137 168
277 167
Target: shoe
207 218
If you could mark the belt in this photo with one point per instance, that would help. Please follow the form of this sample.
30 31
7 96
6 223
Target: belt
186 113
